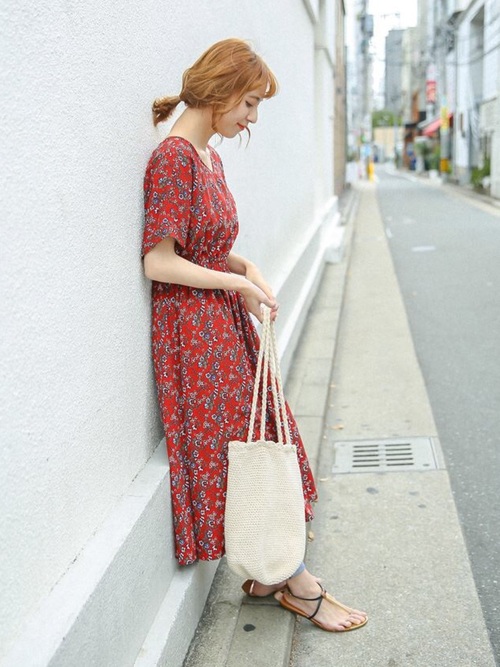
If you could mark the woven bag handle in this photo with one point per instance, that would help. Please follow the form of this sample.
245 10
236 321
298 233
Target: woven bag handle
268 365
279 382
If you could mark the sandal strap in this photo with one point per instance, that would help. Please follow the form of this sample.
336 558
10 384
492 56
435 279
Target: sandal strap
323 590
317 608
318 599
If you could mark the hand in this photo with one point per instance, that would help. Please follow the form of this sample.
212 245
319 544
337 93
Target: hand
254 276
254 298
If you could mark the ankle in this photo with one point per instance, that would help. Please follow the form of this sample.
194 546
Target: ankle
304 585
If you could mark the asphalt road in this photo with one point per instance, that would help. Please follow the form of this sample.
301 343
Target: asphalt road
446 252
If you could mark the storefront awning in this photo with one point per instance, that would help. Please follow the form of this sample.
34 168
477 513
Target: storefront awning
432 127
429 127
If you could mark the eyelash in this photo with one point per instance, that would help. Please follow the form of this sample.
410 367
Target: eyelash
249 105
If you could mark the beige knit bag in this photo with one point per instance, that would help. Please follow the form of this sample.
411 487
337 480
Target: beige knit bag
264 522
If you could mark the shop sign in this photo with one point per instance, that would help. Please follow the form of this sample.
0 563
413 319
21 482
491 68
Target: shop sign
445 121
430 92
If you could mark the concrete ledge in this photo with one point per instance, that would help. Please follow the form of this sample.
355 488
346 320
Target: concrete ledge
174 626
237 630
256 638
104 606
300 283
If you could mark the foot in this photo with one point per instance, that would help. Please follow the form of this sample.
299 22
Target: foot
330 598
331 614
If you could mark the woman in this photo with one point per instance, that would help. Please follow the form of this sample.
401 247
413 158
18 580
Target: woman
204 343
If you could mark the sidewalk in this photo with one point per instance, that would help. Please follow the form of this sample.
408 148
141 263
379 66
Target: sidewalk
387 542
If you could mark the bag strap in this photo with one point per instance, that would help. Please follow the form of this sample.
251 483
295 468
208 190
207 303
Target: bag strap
268 367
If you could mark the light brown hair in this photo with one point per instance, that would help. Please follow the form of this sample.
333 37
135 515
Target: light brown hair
220 78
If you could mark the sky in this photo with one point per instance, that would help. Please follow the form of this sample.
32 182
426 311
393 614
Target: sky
407 9
388 15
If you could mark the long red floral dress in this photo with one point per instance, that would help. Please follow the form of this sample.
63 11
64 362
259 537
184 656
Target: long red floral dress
205 346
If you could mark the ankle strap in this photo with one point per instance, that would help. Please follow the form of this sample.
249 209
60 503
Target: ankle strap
318 599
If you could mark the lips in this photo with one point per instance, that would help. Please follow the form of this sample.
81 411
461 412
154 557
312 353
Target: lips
242 127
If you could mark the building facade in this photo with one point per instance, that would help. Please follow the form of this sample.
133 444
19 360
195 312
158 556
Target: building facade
394 64
340 96
359 78
461 51
477 100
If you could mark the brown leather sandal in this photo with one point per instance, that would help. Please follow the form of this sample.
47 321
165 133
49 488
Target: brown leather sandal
333 600
287 604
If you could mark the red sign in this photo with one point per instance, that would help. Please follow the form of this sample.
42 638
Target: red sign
430 91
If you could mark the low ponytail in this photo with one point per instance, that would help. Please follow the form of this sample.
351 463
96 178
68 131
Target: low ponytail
163 108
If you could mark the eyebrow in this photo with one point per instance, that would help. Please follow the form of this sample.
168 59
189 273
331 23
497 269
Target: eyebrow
256 97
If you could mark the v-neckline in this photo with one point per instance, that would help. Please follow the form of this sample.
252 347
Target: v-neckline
211 170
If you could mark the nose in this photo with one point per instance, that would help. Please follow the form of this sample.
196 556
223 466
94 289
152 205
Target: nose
252 115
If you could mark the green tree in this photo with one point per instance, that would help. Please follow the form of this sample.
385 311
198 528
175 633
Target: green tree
384 118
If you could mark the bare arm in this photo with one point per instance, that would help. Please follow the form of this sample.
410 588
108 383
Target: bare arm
238 264
164 265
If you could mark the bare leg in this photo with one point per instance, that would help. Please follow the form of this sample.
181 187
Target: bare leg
256 589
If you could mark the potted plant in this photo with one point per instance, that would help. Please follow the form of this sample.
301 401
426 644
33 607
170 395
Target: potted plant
480 177
422 149
433 162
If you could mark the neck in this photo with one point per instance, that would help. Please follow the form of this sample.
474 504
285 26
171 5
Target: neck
195 125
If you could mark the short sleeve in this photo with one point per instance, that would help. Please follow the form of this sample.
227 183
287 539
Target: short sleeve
168 184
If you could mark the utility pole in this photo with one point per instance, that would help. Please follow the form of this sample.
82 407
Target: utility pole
445 124
366 25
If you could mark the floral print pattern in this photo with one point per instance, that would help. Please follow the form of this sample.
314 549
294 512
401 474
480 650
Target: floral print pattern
205 347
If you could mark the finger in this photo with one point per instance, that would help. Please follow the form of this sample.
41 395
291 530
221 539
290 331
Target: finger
258 314
264 287
265 303
269 293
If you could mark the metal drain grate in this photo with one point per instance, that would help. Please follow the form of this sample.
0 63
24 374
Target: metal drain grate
384 455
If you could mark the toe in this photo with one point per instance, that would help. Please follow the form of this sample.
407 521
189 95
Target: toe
357 617
356 621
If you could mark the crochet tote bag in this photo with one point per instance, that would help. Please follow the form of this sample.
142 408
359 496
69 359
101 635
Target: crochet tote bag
265 531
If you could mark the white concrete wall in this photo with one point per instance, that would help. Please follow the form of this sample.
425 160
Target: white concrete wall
471 73
491 78
463 100
79 417
491 41
495 149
